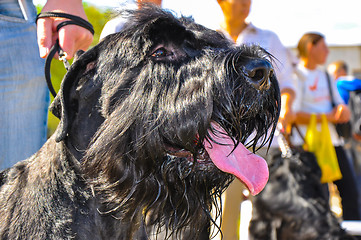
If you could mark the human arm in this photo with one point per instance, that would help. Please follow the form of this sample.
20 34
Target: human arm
283 66
287 116
347 84
71 37
339 114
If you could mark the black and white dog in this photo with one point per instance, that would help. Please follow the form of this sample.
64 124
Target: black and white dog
152 124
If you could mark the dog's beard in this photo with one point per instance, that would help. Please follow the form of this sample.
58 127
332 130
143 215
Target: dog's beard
172 193
188 192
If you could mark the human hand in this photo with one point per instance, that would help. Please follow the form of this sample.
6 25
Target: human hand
357 137
286 118
71 37
340 114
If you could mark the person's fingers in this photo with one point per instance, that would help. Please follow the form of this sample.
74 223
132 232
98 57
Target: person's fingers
72 38
87 40
67 40
44 33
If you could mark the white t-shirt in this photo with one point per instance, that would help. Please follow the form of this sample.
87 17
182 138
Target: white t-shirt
112 26
313 96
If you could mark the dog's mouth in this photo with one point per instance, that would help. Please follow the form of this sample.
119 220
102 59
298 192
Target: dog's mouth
249 168
202 155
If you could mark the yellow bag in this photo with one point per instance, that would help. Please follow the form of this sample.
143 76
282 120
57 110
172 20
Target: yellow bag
320 143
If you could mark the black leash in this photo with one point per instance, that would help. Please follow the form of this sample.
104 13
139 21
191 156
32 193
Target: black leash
74 20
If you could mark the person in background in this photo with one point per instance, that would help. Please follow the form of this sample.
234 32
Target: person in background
237 29
314 97
345 83
349 85
116 24
24 97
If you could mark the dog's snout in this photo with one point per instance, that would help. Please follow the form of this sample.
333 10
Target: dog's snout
259 73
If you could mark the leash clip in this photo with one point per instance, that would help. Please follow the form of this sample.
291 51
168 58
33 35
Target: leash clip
62 57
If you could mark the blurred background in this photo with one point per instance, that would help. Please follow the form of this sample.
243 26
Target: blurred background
339 21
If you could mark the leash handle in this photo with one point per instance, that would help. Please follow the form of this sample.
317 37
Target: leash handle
48 59
75 20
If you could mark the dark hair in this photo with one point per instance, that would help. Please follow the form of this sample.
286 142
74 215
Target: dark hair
307 38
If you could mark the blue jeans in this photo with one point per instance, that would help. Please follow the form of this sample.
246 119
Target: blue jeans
24 97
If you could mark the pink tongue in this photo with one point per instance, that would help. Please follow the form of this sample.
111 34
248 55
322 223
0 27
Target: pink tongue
251 169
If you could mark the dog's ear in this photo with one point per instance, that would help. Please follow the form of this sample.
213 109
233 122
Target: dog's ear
60 107
78 54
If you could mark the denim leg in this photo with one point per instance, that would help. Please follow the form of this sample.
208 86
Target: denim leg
24 97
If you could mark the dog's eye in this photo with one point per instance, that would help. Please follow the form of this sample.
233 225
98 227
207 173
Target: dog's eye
160 52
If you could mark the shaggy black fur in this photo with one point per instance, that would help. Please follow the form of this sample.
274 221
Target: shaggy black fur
293 204
127 159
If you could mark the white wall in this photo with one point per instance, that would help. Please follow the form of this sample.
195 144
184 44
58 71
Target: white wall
350 54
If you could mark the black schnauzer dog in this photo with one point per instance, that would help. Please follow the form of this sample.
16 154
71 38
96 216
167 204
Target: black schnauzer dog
153 121
294 205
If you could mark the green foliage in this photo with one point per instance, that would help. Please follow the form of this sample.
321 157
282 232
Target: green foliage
97 17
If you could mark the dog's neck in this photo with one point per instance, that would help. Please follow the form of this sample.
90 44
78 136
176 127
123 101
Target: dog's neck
78 141
83 128
76 151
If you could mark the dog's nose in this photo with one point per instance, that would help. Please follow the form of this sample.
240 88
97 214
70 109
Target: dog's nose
259 72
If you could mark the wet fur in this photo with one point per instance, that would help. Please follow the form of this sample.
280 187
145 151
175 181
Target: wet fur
107 173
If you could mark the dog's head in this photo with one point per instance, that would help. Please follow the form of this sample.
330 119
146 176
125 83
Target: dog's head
159 114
